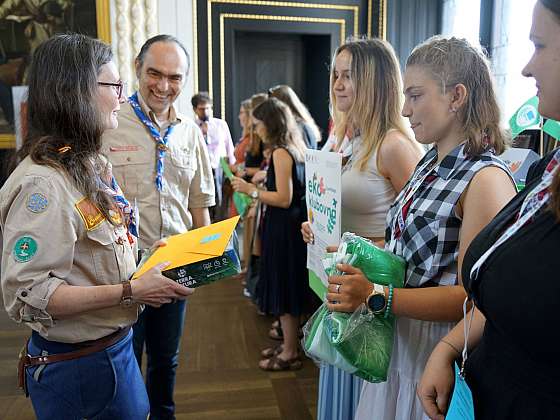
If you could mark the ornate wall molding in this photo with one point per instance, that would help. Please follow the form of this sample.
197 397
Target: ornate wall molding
122 43
211 19
136 21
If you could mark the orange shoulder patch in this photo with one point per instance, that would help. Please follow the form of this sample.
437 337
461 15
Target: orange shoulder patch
89 213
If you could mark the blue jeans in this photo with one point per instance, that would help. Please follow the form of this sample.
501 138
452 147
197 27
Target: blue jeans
160 329
101 386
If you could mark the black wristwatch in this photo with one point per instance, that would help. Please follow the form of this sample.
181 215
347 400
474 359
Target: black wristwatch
376 302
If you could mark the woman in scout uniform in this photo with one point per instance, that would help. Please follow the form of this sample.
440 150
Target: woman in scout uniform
379 158
456 189
68 245
511 272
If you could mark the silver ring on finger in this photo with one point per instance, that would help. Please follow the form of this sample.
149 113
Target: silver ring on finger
337 288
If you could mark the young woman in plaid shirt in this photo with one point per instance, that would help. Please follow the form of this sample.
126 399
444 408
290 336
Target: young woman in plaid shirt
456 189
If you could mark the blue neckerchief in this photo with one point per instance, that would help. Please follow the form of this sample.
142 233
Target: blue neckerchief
129 212
161 142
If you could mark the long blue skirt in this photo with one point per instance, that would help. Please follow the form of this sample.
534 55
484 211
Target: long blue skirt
339 393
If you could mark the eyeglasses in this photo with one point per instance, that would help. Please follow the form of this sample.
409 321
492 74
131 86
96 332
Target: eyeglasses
120 87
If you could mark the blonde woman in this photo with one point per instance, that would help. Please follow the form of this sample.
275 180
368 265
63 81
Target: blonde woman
379 157
309 130
456 189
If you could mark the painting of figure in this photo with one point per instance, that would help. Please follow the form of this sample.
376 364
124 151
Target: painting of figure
24 24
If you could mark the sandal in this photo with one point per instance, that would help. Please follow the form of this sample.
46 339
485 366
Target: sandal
271 351
275 351
275 364
276 332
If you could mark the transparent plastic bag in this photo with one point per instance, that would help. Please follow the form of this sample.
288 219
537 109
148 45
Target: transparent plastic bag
360 343
317 345
379 266
364 341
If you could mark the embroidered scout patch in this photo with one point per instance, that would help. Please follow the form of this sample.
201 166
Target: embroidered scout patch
89 213
37 203
115 216
24 249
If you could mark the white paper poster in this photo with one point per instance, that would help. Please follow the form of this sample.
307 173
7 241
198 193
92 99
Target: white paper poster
323 179
519 161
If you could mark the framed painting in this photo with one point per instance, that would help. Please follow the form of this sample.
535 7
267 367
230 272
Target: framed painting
23 26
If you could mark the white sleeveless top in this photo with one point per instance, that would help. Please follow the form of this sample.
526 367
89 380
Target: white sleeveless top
366 196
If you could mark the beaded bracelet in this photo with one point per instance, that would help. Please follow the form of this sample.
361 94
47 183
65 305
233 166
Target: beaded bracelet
389 302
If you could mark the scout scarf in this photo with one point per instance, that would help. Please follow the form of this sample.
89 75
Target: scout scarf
161 142
532 203
129 212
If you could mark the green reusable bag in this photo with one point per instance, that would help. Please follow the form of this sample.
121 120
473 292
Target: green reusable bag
317 345
241 201
363 339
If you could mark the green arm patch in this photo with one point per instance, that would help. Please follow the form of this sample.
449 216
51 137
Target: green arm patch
24 249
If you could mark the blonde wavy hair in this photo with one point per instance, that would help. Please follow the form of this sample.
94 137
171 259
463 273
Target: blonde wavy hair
376 78
452 61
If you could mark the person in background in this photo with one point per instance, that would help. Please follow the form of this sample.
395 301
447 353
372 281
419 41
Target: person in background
159 158
69 242
309 130
219 144
240 150
456 189
255 172
282 290
379 156
510 270
254 159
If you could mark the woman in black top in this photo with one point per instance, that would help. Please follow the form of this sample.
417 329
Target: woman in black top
511 272
283 289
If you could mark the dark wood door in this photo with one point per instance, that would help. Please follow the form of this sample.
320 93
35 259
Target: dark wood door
263 60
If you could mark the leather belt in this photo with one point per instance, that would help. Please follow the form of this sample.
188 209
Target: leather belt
89 347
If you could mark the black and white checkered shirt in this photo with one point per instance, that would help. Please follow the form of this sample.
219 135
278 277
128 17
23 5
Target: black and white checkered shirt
430 238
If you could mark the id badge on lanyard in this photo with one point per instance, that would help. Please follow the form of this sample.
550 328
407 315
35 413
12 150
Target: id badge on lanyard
461 406
532 203
399 222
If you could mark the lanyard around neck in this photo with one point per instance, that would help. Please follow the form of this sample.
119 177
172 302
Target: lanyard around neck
532 203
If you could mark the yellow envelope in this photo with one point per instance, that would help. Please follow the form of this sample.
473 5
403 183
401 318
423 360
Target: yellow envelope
192 246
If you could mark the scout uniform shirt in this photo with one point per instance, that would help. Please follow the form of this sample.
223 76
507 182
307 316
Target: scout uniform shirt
52 235
187 175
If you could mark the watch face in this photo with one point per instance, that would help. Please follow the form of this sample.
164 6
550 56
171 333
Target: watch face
126 302
376 303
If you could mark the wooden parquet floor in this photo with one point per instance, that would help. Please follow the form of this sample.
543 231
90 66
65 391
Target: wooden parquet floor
218 376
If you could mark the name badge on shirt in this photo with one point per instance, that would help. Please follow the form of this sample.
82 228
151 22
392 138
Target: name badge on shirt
461 406
124 148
